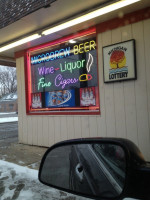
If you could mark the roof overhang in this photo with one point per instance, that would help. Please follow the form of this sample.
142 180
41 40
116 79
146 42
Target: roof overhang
7 61
58 12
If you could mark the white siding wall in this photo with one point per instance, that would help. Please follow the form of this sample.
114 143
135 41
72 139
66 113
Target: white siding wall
125 106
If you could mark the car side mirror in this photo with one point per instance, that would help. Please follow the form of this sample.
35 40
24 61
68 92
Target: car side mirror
93 168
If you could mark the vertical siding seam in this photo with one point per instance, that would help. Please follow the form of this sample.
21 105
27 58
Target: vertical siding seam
32 130
20 124
60 133
101 82
124 98
135 92
105 112
38 138
104 92
67 128
88 128
49 139
115 112
125 112
20 87
54 130
28 139
114 101
146 77
73 128
96 126
38 133
25 136
49 118
42 131
81 119
74 122
24 96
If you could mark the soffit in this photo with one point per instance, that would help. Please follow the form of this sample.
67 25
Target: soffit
11 11
59 11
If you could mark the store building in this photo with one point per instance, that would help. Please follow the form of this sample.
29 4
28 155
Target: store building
90 80
9 103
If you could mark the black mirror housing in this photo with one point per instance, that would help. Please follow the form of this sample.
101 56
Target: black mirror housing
115 165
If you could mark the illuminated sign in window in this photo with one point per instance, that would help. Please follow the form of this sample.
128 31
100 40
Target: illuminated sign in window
63 76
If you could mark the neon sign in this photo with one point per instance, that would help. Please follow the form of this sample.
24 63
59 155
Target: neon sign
70 66
49 56
59 74
89 63
60 81
45 70
43 84
84 47
63 53
85 77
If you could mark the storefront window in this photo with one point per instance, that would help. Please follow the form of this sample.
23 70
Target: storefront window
63 76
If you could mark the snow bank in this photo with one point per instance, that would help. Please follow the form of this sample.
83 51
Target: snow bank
8 119
9 113
21 183
20 169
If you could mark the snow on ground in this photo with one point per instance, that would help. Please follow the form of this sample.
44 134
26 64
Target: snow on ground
8 119
9 113
11 96
21 183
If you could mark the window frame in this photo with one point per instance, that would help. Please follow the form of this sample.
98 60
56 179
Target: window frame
27 70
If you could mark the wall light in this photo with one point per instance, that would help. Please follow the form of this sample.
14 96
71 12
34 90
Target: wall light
78 20
72 41
90 15
19 42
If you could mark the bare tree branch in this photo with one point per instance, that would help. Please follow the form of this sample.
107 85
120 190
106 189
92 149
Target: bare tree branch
8 80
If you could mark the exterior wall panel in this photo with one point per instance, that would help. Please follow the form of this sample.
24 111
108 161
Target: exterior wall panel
125 106
141 90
